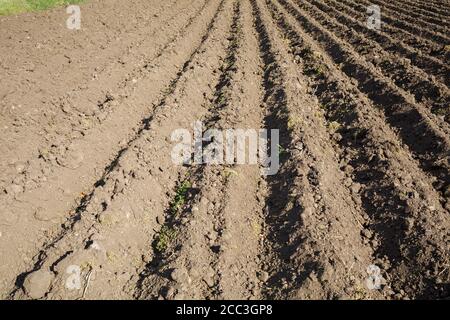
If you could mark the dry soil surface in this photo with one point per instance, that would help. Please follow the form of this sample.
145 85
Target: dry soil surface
92 206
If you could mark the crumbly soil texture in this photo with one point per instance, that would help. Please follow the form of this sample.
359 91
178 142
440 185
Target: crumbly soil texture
93 207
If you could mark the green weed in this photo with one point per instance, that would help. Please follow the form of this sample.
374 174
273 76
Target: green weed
165 236
180 197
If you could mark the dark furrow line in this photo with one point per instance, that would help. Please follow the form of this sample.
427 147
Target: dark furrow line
282 240
382 200
433 95
429 64
193 174
309 205
411 19
422 43
412 16
425 8
428 145
76 214
146 65
275 99
438 3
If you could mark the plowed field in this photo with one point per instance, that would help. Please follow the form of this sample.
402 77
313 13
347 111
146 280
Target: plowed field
93 207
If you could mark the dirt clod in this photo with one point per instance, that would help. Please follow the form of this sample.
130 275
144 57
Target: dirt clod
37 284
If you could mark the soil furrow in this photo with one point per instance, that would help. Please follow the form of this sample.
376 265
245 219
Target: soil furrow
198 223
427 63
425 8
393 19
87 109
159 108
307 206
225 149
240 240
429 144
423 44
434 96
414 17
383 176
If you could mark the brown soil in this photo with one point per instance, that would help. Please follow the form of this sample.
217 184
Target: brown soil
87 180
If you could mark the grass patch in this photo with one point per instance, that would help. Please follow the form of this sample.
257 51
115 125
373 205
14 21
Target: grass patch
17 6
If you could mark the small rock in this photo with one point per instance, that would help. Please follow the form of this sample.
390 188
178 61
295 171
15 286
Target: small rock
160 219
20 166
184 220
37 284
95 246
44 215
169 293
409 223
398 296
263 276
180 275
356 187
367 233
337 136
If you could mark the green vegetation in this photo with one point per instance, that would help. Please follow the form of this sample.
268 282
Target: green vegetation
180 197
316 70
18 6
281 150
165 236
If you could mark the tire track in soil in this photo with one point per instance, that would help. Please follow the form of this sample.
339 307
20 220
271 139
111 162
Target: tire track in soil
428 143
384 176
434 96
81 214
308 210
